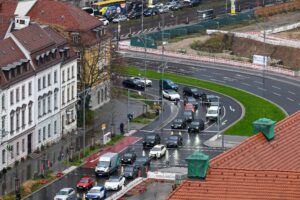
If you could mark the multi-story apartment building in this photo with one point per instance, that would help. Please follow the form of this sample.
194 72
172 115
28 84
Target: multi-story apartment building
38 91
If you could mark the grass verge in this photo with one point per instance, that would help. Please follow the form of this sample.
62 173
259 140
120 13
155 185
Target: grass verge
144 118
255 107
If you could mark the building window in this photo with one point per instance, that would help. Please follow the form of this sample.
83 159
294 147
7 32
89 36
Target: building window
55 76
23 145
44 106
11 97
68 73
105 92
49 130
63 97
72 92
68 94
29 89
23 118
17 95
39 109
44 133
44 81
12 152
11 123
49 103
55 127
39 84
72 71
29 114
98 96
18 148
102 95
18 121
63 76
49 79
3 125
3 156
55 101
39 136
3 102
23 92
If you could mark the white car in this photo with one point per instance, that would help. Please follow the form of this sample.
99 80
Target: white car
146 81
115 183
104 21
120 18
171 95
65 194
158 151
213 113
97 192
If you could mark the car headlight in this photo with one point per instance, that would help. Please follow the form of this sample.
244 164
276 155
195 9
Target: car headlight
197 127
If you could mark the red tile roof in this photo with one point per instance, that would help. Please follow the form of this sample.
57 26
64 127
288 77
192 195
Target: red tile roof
33 38
64 15
255 169
9 52
7 9
59 39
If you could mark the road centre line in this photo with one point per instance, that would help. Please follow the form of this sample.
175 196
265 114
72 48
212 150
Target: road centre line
246 84
263 89
290 99
293 93
277 94
258 82
278 88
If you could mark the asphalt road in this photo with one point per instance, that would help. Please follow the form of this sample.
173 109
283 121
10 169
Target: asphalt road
281 90
231 111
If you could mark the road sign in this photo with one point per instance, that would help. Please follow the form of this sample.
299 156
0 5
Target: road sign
103 126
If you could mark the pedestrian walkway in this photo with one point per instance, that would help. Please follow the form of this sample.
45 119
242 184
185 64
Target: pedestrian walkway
229 141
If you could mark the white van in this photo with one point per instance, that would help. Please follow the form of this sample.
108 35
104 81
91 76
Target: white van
107 164
213 113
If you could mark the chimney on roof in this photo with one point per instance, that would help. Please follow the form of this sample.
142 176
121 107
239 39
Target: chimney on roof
197 165
266 126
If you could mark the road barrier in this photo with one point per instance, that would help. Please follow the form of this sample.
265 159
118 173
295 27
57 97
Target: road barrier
208 59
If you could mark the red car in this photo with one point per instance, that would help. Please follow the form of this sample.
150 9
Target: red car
85 183
189 106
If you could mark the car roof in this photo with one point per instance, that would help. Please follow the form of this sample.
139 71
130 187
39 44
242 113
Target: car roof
213 108
175 135
66 189
86 177
189 104
97 187
159 145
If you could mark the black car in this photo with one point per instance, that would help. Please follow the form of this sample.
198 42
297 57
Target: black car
174 141
112 16
151 140
151 11
134 84
128 158
188 115
193 3
142 161
178 123
191 100
134 14
194 92
131 171
196 126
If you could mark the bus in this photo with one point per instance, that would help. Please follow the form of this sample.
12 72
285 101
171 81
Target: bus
106 8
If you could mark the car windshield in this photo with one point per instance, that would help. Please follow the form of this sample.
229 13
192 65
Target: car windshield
187 113
127 155
103 164
150 137
191 100
94 191
195 123
141 160
170 82
171 92
128 169
114 179
178 120
212 112
173 138
62 192
194 89
156 149
84 181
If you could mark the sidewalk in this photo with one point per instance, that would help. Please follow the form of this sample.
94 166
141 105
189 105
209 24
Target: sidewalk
111 113
229 141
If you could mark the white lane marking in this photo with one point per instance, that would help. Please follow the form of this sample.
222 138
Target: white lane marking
215 80
216 73
263 89
290 99
242 76
206 75
224 122
229 79
277 94
293 93
231 108
278 88
246 84
258 82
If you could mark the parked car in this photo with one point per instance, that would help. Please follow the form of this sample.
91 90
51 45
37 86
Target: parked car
142 161
177 6
96 192
174 141
151 11
213 113
196 126
166 84
191 100
172 95
85 183
131 171
188 115
170 4
107 164
112 16
178 123
119 18
134 84
158 151
194 92
190 107
128 158
134 14
146 81
65 194
151 140
104 21
194 3
114 182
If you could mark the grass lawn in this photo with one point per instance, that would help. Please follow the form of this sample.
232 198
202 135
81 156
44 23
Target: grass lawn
255 107
144 119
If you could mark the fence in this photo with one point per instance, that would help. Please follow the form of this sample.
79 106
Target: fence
152 39
279 8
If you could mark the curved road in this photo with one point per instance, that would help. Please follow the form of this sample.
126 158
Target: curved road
282 90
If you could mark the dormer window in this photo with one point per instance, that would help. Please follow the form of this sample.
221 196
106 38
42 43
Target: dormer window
75 38
53 53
